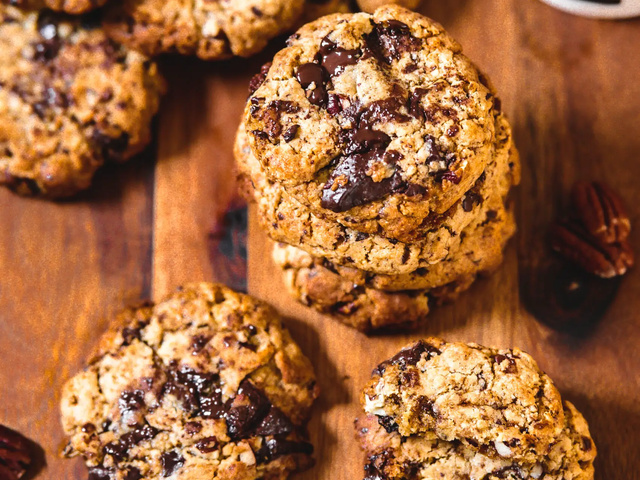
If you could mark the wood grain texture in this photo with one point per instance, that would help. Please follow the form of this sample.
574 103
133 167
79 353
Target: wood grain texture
570 87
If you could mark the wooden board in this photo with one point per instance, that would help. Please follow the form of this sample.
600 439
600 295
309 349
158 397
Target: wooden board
570 87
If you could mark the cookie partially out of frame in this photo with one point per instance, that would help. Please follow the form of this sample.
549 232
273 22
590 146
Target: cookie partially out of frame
212 30
495 402
70 100
205 384
393 457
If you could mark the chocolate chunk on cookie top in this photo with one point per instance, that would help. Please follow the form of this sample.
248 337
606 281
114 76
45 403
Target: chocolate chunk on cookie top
497 402
375 121
205 384
70 100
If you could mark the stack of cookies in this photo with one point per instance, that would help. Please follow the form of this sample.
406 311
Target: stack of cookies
457 411
380 161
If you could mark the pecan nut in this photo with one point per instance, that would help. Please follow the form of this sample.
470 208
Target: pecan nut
574 242
15 456
601 211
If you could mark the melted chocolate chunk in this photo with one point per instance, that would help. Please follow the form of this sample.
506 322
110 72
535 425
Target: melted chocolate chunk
130 401
389 40
275 447
334 58
275 423
171 462
470 200
310 74
412 355
388 424
290 133
119 449
208 445
246 411
199 393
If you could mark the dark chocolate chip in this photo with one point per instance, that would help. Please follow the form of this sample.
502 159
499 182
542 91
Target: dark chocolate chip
246 411
133 474
388 424
290 133
130 401
412 355
171 462
198 342
334 58
192 428
389 40
275 423
208 445
470 200
372 473
313 74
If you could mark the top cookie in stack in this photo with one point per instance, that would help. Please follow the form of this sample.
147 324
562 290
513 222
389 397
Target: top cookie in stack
379 155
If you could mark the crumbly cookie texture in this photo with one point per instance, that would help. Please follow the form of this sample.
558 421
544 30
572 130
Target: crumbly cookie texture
210 30
205 384
375 121
393 457
496 402
70 100
371 5
69 6
287 220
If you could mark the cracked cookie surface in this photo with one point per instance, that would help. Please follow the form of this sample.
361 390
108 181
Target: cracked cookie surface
70 100
210 30
497 402
393 457
374 121
205 384
287 220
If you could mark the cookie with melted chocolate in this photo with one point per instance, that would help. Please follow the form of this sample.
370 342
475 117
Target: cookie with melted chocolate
393 124
205 384
287 220
70 100
459 411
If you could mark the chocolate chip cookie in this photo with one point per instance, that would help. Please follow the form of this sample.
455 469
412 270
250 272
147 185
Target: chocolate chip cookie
497 402
210 30
70 100
287 220
205 384
460 411
392 456
377 122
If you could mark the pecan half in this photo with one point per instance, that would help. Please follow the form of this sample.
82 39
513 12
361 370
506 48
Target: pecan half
574 242
601 211
15 455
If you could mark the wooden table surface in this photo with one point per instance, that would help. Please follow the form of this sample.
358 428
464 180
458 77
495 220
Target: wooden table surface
572 91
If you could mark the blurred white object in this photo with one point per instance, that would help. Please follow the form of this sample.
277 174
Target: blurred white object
598 9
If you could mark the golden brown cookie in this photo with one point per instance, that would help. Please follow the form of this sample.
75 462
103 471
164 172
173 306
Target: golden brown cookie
460 411
70 100
210 30
377 122
205 384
